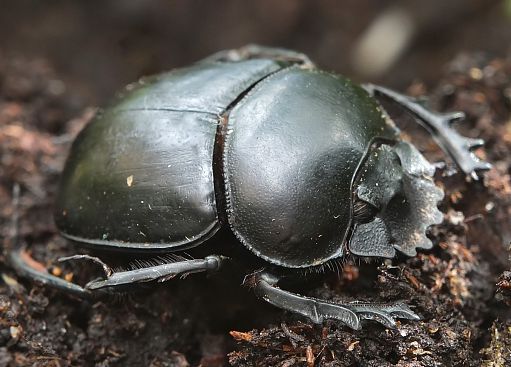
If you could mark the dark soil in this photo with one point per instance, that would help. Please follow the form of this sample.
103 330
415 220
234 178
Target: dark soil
212 320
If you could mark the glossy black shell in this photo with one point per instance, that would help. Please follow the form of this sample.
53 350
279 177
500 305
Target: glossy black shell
272 147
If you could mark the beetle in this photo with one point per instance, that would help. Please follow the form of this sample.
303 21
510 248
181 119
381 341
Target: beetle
303 167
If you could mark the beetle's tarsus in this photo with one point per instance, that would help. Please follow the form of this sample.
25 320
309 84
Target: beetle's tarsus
460 148
318 310
21 261
107 269
384 313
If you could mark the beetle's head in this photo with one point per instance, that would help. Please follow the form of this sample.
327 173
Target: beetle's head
394 202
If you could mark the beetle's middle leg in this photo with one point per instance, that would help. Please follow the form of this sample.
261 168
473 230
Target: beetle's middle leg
439 126
159 273
265 285
114 280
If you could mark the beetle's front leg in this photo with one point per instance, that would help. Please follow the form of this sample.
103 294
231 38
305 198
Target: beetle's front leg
265 285
460 148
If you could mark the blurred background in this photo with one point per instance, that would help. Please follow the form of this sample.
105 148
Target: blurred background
97 47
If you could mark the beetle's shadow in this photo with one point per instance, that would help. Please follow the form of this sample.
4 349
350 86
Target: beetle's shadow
213 303
217 302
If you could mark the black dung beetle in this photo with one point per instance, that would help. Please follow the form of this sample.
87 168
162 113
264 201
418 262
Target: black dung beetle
304 167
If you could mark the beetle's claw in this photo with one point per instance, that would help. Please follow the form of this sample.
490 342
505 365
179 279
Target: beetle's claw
384 313
107 269
452 117
460 148
472 144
